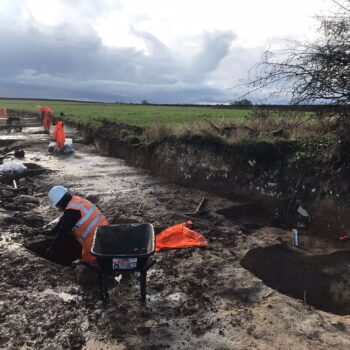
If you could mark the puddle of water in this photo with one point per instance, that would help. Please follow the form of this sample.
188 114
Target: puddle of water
177 297
154 297
33 129
102 176
62 295
99 345
8 139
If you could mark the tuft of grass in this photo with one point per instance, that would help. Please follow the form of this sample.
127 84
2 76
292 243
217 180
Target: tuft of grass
157 132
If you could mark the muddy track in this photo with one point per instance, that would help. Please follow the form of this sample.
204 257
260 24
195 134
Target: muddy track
197 298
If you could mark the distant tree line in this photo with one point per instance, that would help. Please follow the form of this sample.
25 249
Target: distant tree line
242 103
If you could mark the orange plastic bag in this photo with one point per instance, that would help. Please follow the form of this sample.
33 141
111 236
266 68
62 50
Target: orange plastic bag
180 236
59 135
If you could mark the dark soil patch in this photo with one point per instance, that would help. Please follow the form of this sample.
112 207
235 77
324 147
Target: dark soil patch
64 254
10 129
247 213
7 142
323 280
35 169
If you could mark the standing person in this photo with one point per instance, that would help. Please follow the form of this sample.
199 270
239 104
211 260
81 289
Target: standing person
47 120
59 136
3 112
80 217
41 111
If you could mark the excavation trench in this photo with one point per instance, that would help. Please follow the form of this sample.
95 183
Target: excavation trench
322 281
63 254
251 214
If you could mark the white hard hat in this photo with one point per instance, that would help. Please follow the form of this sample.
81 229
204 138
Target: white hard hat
56 193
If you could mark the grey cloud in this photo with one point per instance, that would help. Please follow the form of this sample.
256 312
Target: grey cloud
29 84
155 46
215 46
70 61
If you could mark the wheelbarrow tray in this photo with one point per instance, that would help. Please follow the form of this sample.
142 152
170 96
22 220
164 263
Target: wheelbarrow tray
134 242
127 241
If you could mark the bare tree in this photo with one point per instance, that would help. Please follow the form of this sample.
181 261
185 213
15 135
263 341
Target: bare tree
310 72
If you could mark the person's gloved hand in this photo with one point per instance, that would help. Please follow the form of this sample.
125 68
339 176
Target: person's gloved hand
51 224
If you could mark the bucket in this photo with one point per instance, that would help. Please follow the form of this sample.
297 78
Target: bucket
68 142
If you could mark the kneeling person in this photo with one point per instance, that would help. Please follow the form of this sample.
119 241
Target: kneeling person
80 217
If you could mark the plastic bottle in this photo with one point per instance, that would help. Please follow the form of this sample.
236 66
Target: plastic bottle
295 238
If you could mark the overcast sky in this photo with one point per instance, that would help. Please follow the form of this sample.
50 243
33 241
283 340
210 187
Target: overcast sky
164 51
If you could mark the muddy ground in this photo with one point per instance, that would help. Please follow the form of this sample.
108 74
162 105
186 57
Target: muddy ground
197 298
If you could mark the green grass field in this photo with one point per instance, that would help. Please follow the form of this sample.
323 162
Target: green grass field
141 115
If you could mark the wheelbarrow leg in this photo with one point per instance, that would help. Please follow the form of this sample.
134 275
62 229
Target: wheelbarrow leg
143 278
143 284
103 287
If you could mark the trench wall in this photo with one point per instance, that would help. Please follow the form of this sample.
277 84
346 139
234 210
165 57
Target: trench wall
256 171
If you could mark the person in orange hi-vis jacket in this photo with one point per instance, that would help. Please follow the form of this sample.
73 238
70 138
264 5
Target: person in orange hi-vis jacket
47 120
41 111
80 217
3 112
59 136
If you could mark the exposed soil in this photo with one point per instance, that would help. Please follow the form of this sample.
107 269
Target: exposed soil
252 214
319 280
63 254
197 298
281 174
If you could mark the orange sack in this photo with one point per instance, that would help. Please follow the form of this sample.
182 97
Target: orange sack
180 236
59 135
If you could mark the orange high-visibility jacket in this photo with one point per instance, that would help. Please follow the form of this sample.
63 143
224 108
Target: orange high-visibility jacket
59 135
84 229
3 112
47 122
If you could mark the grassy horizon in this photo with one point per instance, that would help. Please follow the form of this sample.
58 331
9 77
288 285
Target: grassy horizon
139 115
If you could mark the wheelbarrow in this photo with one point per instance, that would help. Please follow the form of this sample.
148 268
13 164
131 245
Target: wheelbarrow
119 248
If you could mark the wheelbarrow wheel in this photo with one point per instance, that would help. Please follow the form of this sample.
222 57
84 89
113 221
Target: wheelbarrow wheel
143 284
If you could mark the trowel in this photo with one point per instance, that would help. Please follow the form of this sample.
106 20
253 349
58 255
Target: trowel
51 224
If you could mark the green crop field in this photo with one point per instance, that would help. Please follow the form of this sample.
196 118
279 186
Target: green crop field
141 115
